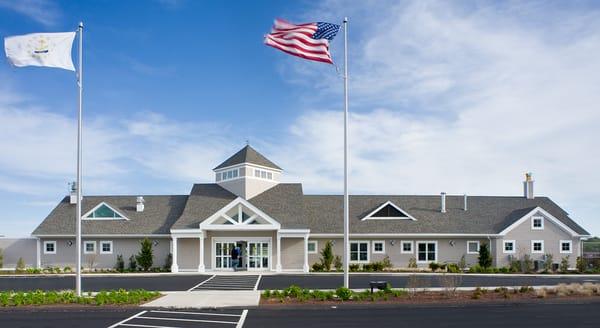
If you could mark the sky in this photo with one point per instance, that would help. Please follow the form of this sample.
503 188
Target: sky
449 96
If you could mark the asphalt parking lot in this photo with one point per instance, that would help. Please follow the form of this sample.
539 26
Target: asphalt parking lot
541 315
185 282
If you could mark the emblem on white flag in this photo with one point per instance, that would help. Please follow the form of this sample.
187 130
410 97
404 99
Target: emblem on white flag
41 49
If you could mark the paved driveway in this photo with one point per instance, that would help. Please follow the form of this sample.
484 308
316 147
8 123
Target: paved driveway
186 282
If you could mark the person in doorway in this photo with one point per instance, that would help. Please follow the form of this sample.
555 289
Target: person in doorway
235 255
239 253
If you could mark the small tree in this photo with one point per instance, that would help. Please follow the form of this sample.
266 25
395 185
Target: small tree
120 266
132 263
564 264
548 263
412 263
337 263
327 256
144 257
462 264
485 258
168 262
526 264
20 264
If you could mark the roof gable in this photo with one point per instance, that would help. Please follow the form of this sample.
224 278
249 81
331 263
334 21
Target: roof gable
388 211
247 155
103 211
240 215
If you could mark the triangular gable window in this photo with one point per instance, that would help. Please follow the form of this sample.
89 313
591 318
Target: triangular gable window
388 211
103 212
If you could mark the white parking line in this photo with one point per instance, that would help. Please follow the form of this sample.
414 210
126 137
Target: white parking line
130 318
257 282
240 323
200 284
189 320
199 313
145 326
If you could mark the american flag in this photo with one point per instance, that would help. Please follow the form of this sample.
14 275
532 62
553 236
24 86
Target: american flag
309 41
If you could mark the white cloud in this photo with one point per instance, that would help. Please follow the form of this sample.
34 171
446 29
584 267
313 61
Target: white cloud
461 100
42 11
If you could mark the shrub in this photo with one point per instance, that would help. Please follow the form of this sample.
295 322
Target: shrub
526 264
144 257
132 263
515 265
548 263
292 291
317 267
327 256
412 263
504 270
580 264
485 258
120 266
354 267
434 266
67 269
453 268
564 264
343 293
337 263
168 262
541 293
20 264
386 262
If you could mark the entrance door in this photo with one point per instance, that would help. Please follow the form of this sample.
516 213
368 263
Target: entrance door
223 254
258 255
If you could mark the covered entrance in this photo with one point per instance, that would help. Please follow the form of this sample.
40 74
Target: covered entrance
254 253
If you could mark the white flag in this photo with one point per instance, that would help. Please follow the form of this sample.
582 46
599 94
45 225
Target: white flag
41 49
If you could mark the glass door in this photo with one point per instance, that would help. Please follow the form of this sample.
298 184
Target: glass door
258 255
223 254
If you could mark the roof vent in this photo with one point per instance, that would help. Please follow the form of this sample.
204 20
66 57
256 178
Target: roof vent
73 193
465 202
139 206
443 194
528 186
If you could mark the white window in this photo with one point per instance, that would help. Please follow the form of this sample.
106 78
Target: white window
257 173
49 247
537 223
89 247
426 251
537 246
473 247
359 251
566 246
269 175
312 247
218 176
406 247
106 247
263 174
509 246
378 247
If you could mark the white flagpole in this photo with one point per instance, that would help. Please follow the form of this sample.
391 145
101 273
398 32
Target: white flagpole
79 128
346 201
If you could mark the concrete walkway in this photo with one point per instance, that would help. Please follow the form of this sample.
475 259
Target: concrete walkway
207 299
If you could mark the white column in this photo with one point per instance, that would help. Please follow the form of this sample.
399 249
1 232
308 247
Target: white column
278 267
305 268
38 263
201 263
174 266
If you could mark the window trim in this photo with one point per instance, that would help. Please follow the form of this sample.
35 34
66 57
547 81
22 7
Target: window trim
534 251
53 242
412 246
89 242
514 249
560 243
359 242
382 251
470 242
427 242
316 251
106 242
533 218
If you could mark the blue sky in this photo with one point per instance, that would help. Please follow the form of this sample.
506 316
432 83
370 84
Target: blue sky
444 97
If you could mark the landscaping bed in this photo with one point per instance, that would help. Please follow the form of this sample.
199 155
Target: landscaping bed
295 295
64 298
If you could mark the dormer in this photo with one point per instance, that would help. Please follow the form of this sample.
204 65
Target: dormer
247 173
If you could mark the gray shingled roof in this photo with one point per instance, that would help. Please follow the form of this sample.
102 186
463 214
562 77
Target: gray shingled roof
160 213
247 155
485 214
287 204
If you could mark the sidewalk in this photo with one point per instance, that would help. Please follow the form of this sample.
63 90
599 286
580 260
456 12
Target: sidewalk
207 299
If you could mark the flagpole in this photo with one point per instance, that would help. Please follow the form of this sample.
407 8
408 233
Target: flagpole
346 201
79 194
